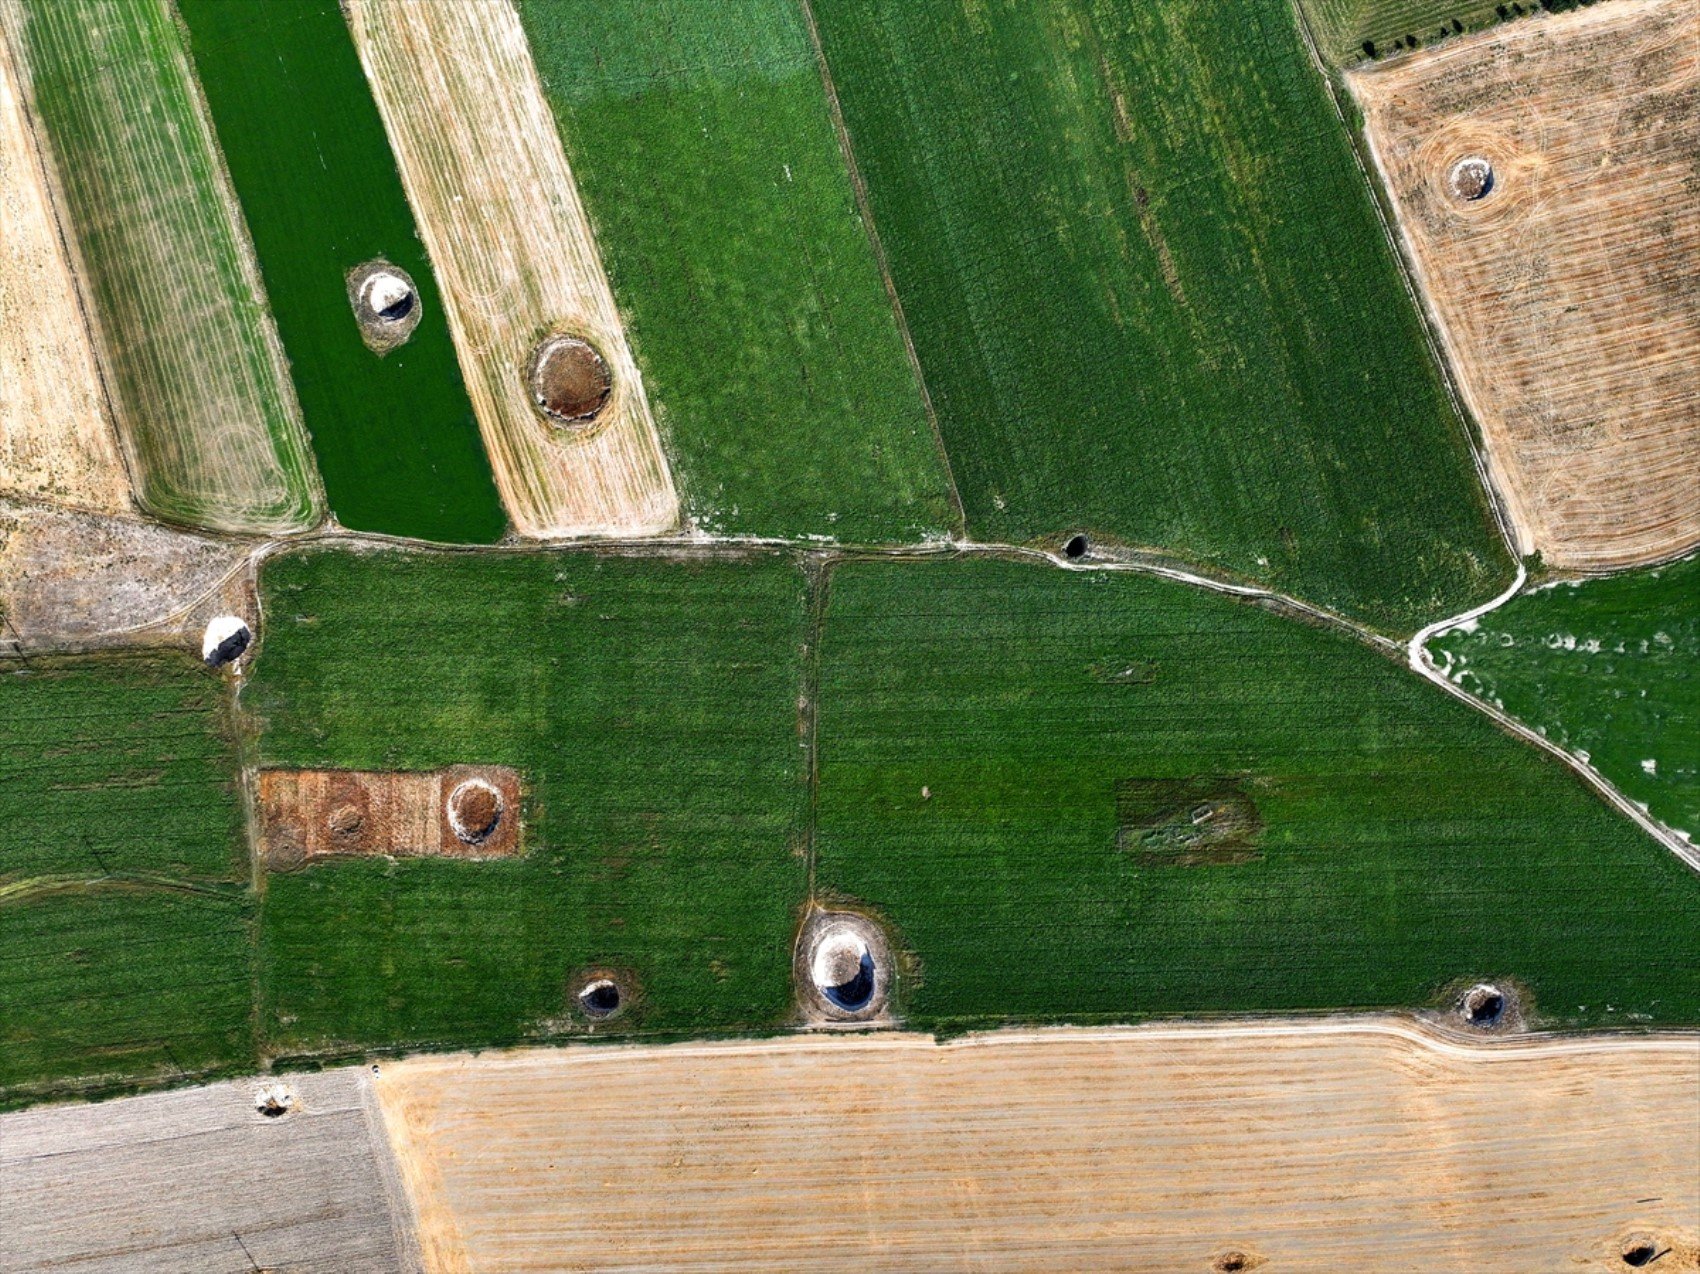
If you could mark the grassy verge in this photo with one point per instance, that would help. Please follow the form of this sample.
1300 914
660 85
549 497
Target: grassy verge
199 385
395 436
702 145
1152 299
125 928
1606 667
1101 797
651 705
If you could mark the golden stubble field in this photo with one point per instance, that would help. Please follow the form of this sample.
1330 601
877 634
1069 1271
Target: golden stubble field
1368 1144
516 258
56 439
1566 296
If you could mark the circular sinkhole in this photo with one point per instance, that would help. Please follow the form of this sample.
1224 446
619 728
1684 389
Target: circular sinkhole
1076 547
388 295
1470 179
1484 1005
345 821
569 382
475 811
273 1101
1638 1252
386 304
600 998
225 639
842 967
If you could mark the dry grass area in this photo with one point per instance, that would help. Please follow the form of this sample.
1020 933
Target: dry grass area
1567 296
56 440
1352 1145
76 580
308 814
514 253
200 1180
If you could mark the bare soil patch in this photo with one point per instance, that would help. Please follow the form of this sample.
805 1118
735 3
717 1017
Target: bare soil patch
1543 173
71 580
1362 1145
462 812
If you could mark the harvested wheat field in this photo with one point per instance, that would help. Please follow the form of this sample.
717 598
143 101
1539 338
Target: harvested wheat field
71 580
1544 178
518 265
1350 1145
56 440
461 812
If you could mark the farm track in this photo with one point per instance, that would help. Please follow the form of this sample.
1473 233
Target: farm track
1344 1143
516 258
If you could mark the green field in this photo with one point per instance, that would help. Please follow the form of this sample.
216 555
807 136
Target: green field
1609 667
395 436
1151 297
701 142
651 706
199 388
125 925
1368 840
116 767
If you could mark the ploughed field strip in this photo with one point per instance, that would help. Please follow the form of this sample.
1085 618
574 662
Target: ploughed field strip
1197 1148
394 432
463 812
203 1180
650 708
1101 796
1152 299
198 384
56 440
1605 668
1564 283
705 156
125 930
501 216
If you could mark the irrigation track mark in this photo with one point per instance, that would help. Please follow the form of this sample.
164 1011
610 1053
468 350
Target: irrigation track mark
864 207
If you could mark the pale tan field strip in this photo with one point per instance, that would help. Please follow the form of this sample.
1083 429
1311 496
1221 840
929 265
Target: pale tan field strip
200 1180
514 253
1352 1146
56 439
1566 295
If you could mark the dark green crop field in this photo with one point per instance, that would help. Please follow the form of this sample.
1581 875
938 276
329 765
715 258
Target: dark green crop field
125 926
1609 667
1095 796
651 705
116 767
1151 297
395 436
701 142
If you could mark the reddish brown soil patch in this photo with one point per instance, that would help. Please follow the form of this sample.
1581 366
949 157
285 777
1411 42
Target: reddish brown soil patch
308 814
569 381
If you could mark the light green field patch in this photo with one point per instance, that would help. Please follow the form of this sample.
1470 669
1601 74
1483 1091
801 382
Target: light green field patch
1609 668
198 382
705 154
1341 27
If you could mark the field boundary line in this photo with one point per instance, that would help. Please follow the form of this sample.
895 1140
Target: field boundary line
864 206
